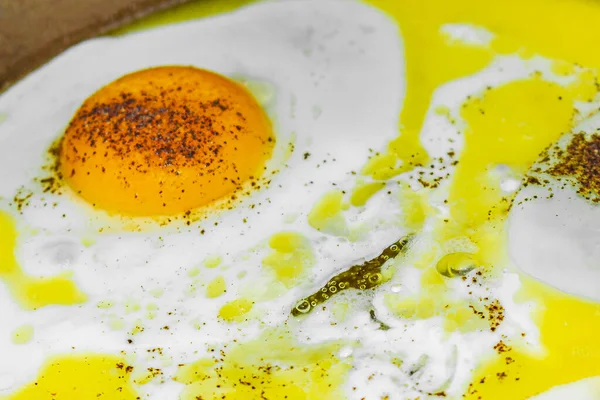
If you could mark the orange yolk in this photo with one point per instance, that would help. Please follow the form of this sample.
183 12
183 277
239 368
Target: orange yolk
165 140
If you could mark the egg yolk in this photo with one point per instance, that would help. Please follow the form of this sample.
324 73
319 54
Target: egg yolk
165 140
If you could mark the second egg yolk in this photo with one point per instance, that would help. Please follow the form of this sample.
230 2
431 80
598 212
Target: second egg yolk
165 140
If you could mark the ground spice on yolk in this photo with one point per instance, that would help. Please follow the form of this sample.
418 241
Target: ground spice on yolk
165 140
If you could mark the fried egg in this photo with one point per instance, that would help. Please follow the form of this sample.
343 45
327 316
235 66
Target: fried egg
285 108
297 199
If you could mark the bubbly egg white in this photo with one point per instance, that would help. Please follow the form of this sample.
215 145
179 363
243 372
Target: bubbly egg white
335 69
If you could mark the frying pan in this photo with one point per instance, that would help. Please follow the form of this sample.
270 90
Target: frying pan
34 31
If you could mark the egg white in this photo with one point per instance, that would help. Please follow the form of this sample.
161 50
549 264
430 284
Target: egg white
554 238
584 389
